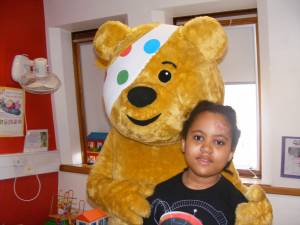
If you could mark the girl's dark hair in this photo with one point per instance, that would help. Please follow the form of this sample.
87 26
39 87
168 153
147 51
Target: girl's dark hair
206 106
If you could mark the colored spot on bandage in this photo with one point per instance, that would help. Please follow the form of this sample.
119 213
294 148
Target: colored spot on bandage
125 52
152 46
122 77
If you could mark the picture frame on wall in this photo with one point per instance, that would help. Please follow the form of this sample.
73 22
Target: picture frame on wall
290 157
36 140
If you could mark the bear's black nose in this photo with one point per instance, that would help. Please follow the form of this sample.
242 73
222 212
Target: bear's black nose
141 96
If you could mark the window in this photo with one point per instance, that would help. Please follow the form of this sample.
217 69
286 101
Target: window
88 82
103 221
240 71
236 95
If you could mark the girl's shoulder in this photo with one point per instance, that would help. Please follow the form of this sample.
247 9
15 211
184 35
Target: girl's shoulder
171 182
230 190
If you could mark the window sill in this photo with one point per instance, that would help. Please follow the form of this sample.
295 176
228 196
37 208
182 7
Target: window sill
85 169
80 168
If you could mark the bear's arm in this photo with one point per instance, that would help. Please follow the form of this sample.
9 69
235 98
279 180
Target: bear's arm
121 198
101 173
258 211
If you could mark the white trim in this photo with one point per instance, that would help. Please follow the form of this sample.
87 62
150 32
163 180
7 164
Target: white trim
27 164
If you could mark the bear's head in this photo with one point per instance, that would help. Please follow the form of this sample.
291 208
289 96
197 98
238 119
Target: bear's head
156 73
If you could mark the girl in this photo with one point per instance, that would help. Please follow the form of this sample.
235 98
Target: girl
200 195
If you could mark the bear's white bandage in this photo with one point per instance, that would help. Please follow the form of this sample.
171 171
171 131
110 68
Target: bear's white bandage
129 64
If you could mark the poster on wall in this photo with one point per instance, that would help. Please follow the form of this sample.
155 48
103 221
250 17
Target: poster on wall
12 102
290 157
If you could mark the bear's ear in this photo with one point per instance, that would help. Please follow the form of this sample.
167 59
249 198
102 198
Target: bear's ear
207 35
107 39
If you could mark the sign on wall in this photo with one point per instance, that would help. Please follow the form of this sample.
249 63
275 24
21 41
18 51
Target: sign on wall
290 157
11 112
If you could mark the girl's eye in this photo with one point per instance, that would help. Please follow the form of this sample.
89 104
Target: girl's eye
220 142
198 138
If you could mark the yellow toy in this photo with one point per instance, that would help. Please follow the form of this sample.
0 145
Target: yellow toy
156 74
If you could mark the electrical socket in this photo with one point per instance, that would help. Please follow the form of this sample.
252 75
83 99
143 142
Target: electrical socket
17 162
29 170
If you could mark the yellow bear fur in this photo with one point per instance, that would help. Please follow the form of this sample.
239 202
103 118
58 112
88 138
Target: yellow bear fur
136 158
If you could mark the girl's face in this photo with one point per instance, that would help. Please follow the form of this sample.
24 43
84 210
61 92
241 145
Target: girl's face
207 147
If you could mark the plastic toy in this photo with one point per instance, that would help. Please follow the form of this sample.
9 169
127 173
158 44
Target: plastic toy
91 217
65 211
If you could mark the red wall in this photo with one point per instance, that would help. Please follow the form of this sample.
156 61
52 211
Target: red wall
23 32
14 211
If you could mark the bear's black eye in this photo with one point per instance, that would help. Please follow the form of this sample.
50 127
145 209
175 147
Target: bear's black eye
164 76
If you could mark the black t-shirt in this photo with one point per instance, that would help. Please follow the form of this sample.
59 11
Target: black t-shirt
180 205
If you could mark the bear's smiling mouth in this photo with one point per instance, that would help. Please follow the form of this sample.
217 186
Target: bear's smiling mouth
143 122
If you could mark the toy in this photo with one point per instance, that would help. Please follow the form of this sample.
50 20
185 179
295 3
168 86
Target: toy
65 212
95 141
91 217
156 74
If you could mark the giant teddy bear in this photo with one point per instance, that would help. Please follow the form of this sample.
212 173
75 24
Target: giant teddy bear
156 73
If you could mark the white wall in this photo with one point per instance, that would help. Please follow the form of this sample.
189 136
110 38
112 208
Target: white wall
286 209
279 31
